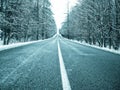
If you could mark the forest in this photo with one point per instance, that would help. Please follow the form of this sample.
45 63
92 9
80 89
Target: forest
26 20
96 22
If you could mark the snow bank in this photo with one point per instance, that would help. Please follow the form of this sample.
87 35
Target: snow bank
95 46
4 47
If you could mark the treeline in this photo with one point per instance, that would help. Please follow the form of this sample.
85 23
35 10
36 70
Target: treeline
95 22
26 20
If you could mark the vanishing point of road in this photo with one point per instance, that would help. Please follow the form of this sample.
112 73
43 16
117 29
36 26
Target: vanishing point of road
58 64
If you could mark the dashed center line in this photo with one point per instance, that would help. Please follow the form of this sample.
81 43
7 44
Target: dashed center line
64 77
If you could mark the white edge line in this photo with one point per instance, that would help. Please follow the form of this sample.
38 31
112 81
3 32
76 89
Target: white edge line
64 77
15 45
96 47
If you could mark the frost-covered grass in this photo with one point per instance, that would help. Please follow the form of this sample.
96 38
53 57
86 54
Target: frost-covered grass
14 45
101 48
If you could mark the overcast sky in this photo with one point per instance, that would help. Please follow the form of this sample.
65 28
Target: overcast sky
59 8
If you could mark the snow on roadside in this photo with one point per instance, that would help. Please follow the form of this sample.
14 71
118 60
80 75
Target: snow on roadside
101 48
4 47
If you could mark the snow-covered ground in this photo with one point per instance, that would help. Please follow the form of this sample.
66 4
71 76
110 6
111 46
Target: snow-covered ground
101 48
14 45
4 47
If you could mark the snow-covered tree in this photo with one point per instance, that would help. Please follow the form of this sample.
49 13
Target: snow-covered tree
95 21
24 20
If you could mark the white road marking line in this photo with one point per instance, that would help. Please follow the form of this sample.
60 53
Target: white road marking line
64 77
78 51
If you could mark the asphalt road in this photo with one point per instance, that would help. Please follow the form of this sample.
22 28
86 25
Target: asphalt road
37 67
